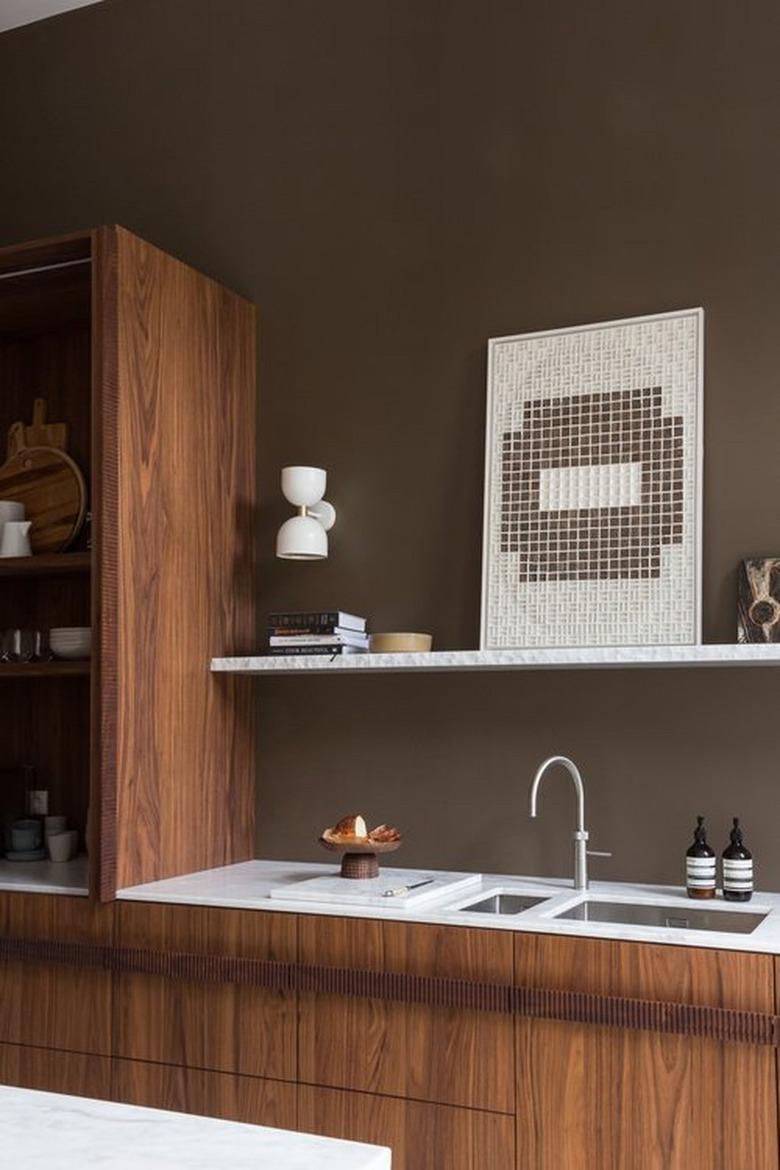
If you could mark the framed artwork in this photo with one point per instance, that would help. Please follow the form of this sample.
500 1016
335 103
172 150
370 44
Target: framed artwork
592 528
758 614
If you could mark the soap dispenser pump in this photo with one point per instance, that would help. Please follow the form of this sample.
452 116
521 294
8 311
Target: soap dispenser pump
700 864
737 868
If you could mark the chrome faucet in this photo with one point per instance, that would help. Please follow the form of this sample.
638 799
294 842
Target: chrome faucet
581 851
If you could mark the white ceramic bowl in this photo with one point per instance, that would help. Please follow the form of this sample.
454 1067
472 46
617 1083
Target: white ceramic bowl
71 641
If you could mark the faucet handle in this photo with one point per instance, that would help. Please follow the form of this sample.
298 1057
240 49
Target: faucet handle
597 853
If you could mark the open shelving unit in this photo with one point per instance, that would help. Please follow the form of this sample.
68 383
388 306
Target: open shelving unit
577 658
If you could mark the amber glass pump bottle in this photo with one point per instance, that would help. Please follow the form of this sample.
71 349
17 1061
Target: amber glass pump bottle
700 864
737 868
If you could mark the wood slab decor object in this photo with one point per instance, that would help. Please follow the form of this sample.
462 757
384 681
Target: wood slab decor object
758 613
39 433
49 484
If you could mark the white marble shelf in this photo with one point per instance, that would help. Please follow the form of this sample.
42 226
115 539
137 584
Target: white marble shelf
577 658
46 877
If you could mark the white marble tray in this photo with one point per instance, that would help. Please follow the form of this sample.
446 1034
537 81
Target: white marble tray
331 888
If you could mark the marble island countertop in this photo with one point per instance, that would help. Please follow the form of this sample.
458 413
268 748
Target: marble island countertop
43 1130
248 885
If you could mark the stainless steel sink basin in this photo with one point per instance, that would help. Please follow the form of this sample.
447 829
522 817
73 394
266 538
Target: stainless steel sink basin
503 903
666 917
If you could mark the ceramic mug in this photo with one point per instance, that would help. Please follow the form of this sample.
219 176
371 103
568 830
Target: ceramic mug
15 541
54 824
25 835
10 510
60 845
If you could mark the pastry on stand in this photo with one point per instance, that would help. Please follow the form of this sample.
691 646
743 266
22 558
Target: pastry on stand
359 847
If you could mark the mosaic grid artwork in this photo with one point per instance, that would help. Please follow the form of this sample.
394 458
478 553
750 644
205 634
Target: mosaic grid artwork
593 485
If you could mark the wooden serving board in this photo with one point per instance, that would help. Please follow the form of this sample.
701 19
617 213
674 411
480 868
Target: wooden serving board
39 433
53 491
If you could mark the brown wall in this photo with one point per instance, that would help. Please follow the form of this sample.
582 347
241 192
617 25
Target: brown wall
395 181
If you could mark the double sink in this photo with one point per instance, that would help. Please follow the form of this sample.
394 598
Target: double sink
507 903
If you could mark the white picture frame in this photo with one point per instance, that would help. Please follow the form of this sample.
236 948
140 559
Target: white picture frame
593 485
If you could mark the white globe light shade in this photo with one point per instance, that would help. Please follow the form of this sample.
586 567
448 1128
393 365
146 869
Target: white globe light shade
303 486
301 538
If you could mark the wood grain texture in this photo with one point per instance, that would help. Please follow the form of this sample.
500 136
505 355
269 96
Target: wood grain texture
53 1071
47 1005
208 1094
447 1055
185 525
617 1099
421 1136
223 1027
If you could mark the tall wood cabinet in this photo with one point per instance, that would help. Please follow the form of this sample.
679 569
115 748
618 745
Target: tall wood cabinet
152 365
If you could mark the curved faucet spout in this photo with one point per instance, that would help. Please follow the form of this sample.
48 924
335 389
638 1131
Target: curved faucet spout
580 833
574 772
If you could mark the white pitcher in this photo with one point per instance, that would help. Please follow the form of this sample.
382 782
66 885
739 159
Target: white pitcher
10 510
15 541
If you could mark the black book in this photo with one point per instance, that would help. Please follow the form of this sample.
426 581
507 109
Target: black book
322 622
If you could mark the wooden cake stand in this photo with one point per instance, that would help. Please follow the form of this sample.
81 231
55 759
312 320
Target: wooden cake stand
358 860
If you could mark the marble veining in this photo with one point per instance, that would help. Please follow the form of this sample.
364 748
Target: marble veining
248 885
586 657
39 1131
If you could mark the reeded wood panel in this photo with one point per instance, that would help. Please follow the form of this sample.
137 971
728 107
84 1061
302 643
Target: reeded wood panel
613 1099
451 1056
52 1071
208 1094
184 514
225 1027
45 1004
421 1136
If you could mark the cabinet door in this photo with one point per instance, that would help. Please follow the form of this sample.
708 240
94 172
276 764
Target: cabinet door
421 1136
50 1005
613 1099
55 1072
453 1056
208 1094
228 1027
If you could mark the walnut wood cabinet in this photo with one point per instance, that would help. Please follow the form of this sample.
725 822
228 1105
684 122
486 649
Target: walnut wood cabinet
450 1056
192 1022
151 364
422 1136
345 1027
49 1004
621 1099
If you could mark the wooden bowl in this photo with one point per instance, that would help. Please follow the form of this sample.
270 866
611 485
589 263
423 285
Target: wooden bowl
400 643
358 858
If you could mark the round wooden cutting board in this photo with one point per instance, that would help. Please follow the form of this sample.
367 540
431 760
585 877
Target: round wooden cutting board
53 492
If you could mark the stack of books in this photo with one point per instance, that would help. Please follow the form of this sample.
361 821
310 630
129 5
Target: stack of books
328 632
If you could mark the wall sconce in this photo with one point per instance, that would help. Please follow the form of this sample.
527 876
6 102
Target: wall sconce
303 537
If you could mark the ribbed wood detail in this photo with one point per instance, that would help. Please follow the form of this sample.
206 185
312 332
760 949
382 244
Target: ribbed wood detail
724 1024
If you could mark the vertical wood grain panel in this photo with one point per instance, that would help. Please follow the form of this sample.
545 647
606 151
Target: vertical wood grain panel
48 1005
421 1136
208 1094
223 1027
185 516
52 1071
611 1098
451 1056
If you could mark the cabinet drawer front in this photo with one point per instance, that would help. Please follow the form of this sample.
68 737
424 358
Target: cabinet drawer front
51 1005
208 1094
214 1025
454 1056
55 1072
421 1136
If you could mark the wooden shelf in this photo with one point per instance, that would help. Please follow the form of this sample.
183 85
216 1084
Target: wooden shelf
59 668
46 565
578 658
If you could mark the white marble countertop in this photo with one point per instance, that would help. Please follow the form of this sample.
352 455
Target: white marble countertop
247 886
46 877
41 1131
